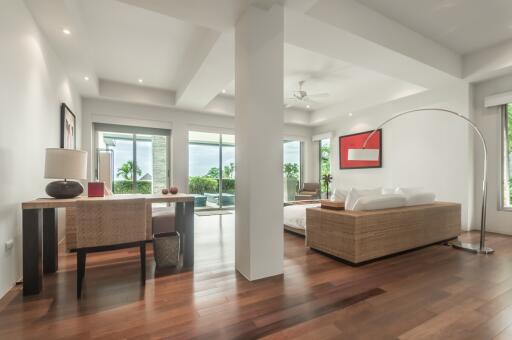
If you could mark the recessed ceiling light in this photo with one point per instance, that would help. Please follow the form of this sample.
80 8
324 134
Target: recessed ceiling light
223 90
66 31
140 80
86 78
308 106
350 114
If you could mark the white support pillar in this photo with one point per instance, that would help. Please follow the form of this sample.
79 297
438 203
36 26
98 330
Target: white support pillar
259 54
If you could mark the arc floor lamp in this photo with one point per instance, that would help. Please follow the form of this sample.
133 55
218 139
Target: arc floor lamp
373 154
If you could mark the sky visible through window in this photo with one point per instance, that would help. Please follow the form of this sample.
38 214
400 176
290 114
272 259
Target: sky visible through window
123 152
201 157
204 157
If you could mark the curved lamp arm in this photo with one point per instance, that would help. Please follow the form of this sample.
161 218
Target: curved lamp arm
480 248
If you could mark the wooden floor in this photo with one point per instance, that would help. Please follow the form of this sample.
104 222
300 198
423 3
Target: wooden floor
432 293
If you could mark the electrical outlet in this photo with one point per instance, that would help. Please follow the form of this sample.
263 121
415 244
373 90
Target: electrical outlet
9 245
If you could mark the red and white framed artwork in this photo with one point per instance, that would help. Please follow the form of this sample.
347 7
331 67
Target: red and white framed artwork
356 141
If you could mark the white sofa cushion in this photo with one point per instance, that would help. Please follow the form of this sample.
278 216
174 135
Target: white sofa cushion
376 202
339 195
354 194
420 198
408 191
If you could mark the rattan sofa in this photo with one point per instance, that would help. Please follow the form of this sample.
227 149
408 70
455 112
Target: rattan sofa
361 236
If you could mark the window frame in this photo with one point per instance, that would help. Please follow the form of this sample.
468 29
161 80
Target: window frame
134 131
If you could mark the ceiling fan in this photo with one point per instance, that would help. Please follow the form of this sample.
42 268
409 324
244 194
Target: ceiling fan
302 95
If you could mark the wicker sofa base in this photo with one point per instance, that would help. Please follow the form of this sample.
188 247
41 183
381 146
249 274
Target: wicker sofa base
361 236
357 264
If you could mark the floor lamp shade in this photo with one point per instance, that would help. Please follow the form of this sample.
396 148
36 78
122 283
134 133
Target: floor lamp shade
65 164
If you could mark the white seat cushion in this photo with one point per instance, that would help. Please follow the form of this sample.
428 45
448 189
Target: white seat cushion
376 202
420 198
354 194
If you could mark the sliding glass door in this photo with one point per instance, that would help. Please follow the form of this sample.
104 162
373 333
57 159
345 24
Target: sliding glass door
140 161
212 169
227 161
292 168
325 163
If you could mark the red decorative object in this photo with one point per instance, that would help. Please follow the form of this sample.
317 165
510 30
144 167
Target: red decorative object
356 141
165 191
96 189
173 190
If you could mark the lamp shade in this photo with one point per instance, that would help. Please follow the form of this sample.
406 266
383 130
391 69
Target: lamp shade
363 154
65 164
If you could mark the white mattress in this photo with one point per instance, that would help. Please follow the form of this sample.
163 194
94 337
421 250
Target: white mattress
295 215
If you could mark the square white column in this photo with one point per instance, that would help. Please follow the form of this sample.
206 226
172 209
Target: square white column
259 59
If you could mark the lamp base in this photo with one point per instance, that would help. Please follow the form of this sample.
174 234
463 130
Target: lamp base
64 189
471 247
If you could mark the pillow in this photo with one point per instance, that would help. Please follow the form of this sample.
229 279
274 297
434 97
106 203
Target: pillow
354 194
408 191
339 195
376 202
387 191
420 198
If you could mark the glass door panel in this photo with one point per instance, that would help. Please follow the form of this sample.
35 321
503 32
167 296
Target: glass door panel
325 164
124 165
228 171
291 169
204 173
144 163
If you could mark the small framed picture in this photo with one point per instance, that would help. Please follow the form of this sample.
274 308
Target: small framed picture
67 128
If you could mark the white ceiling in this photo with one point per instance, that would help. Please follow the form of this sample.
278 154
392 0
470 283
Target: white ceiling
464 26
129 43
322 74
187 47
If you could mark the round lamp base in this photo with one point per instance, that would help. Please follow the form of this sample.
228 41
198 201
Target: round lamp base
471 247
64 189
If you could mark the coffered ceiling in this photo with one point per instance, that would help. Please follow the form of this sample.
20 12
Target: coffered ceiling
352 50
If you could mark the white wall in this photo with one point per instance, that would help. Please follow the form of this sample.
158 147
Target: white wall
32 86
432 150
489 121
180 122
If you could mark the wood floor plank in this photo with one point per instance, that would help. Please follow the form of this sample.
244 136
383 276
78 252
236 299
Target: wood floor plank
434 293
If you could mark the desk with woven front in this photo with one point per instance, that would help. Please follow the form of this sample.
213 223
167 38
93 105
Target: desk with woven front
40 231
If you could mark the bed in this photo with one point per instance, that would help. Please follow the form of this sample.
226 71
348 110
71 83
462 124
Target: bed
295 217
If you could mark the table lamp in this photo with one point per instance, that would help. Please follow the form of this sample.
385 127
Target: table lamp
65 164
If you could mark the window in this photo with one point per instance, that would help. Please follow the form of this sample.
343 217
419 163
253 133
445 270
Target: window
212 162
140 157
506 191
325 162
292 168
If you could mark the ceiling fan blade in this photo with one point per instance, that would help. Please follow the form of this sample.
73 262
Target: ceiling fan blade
319 95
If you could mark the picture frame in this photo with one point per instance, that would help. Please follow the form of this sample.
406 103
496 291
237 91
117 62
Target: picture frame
67 127
356 141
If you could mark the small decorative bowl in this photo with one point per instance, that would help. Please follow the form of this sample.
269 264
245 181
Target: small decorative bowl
165 191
